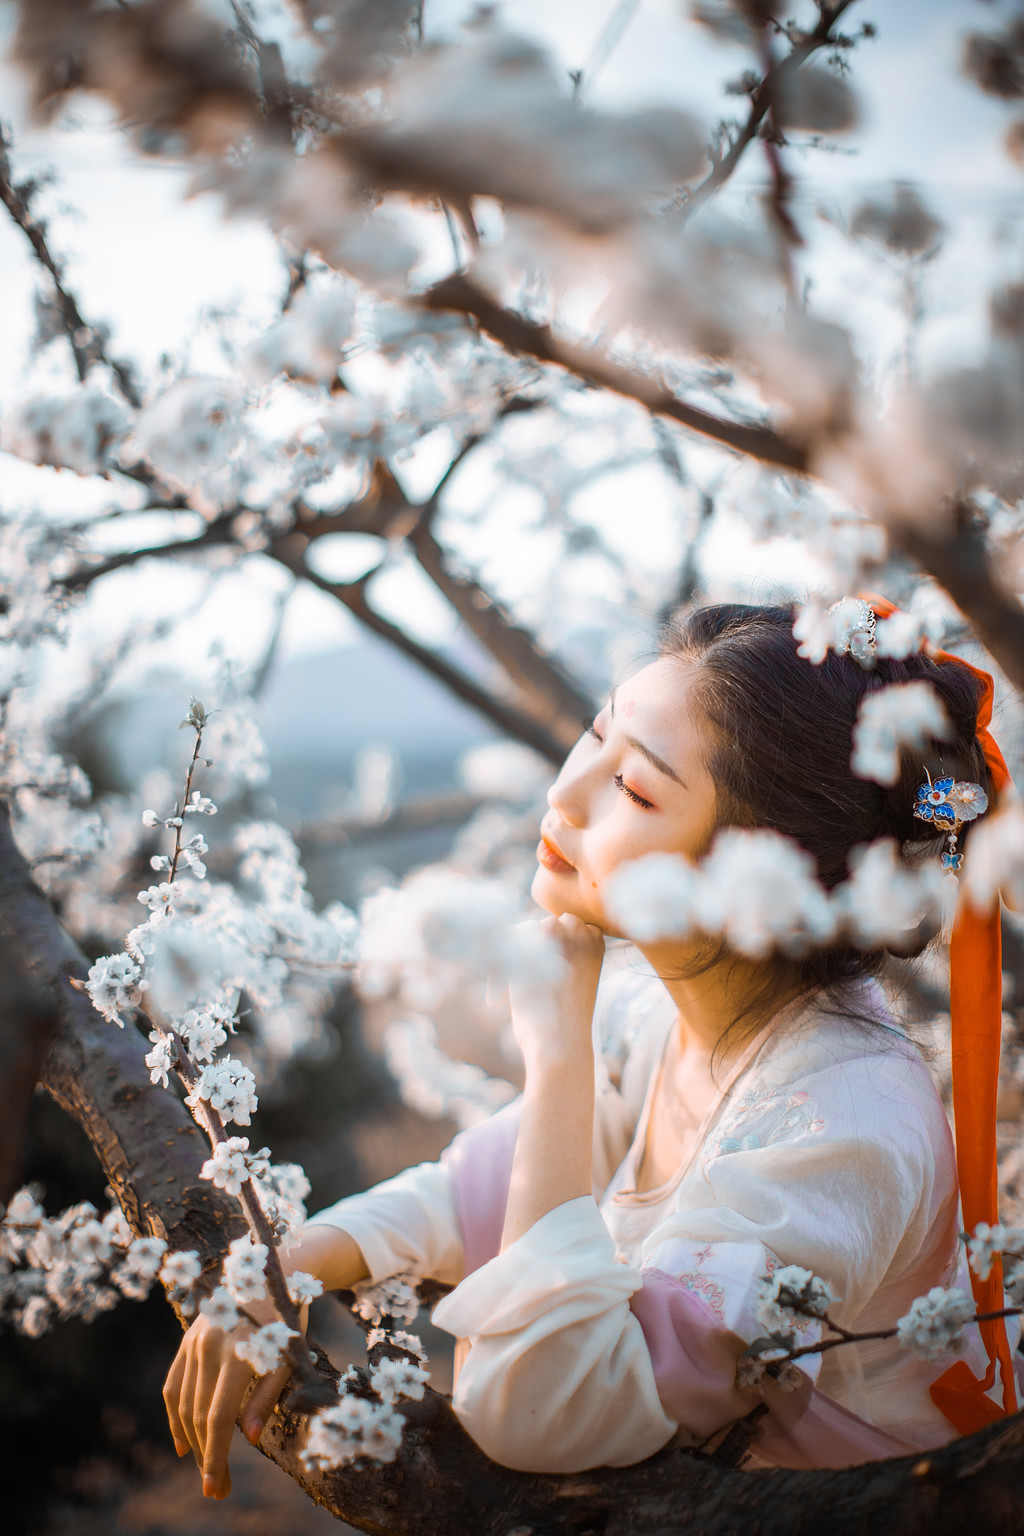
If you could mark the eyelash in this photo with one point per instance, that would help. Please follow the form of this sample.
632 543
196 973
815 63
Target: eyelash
591 730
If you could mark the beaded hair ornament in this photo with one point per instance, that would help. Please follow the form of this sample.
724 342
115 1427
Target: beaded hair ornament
975 987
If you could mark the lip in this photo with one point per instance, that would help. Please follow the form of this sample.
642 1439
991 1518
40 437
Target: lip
551 858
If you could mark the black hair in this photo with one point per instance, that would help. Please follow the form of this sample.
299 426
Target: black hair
779 740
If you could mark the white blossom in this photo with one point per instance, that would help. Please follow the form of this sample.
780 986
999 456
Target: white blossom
81 430
392 1379
355 1428
192 434
759 890
180 1270
264 1348
161 1059
303 1287
206 1029
199 804
995 858
307 341
400 1339
791 1296
134 1276
434 1083
904 715
35 1317
220 1308
244 1271
114 984
229 1087
151 819
654 897
394 1297
988 1241
935 1323
160 898
884 900
283 1190
232 1164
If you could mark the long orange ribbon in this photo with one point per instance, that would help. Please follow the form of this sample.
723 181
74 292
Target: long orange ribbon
975 1005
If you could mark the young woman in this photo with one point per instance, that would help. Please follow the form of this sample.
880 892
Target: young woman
606 1235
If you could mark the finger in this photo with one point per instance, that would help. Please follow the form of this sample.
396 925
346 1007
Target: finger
186 1405
172 1394
233 1378
261 1404
216 1355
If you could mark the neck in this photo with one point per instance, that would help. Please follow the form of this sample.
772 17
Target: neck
710 1002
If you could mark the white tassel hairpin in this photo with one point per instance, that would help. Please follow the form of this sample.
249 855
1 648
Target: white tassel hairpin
948 803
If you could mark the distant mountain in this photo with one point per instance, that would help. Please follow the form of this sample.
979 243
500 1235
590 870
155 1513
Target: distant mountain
320 711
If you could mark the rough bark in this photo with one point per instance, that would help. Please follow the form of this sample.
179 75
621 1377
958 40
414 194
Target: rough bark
441 1484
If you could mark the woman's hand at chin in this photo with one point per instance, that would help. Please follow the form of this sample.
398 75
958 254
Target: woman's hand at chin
553 1021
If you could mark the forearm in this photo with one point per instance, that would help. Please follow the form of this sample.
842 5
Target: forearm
326 1252
554 1149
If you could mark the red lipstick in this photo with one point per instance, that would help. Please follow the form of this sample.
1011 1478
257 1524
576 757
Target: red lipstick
549 856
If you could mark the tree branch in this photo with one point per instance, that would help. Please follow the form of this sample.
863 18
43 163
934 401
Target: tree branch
462 295
960 562
85 341
290 550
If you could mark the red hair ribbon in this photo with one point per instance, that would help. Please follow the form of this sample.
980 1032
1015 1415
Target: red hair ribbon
975 1005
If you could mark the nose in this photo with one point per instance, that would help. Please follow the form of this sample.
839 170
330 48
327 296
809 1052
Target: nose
567 796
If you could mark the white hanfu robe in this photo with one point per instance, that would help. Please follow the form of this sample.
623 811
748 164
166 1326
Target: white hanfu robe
613 1326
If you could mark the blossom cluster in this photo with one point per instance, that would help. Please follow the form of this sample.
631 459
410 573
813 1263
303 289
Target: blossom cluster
789 1297
441 927
935 1323
436 1084
904 715
232 1164
760 891
79 1264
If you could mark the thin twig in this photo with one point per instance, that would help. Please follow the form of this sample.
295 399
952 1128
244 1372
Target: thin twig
761 99
85 341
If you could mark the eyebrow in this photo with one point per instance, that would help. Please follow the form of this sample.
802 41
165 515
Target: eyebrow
652 757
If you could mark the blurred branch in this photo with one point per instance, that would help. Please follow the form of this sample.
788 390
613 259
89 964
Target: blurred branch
460 294
425 811
290 549
961 562
821 36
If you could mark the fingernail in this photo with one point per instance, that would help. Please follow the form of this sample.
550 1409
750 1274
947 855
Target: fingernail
180 1447
209 1488
254 1431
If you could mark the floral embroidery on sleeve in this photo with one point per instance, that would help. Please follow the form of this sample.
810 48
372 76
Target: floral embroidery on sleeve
702 1284
760 1118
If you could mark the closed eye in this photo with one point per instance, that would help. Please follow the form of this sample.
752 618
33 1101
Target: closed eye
632 793
591 730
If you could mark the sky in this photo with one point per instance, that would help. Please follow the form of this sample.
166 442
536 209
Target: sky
150 261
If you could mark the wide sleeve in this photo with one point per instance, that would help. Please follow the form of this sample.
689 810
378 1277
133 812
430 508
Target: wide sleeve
405 1225
579 1360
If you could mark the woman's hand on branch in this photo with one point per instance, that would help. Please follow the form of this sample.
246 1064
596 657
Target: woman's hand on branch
553 1023
203 1395
207 1382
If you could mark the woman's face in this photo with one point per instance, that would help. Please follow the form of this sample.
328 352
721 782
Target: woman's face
635 783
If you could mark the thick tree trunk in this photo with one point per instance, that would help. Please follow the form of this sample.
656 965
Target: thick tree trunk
441 1484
